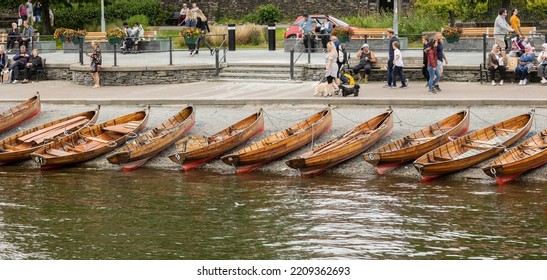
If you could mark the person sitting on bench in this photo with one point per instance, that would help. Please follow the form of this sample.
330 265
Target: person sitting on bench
20 61
366 58
33 65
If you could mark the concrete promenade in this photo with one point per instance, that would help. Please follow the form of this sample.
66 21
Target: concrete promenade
271 92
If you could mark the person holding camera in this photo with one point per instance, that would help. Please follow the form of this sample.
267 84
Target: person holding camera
366 59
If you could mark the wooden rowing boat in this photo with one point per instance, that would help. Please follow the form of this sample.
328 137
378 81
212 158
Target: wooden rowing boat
277 145
414 145
90 142
196 150
20 113
19 146
473 148
344 146
148 145
530 154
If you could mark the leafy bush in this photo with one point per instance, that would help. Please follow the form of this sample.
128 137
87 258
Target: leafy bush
141 19
268 14
124 9
437 8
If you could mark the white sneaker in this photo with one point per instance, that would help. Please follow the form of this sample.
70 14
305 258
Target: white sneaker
520 82
525 81
15 81
501 82
493 83
543 80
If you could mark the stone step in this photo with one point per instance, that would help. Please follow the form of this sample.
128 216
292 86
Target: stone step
260 76
258 65
258 70
241 80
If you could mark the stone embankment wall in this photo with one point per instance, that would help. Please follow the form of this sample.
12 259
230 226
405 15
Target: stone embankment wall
289 9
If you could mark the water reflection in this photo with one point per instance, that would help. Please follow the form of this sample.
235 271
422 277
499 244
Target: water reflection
166 214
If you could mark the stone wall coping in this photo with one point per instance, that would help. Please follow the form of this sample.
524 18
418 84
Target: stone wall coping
85 67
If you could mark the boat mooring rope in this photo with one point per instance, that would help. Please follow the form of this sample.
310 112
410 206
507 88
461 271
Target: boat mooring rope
480 118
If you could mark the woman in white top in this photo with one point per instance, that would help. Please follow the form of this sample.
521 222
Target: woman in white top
495 62
542 66
398 65
331 69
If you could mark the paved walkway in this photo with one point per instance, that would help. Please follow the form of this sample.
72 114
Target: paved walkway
278 56
241 93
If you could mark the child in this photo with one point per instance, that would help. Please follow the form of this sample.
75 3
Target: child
398 65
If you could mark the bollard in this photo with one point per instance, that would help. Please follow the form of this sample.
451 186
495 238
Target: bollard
484 46
81 47
271 37
170 50
292 63
115 55
231 36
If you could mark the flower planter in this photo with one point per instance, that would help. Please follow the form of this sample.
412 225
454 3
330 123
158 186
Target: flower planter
190 40
453 40
75 41
62 39
115 41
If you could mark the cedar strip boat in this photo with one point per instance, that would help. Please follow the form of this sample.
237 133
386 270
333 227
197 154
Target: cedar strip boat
530 154
20 113
148 145
90 142
196 150
275 146
19 146
414 145
343 147
473 148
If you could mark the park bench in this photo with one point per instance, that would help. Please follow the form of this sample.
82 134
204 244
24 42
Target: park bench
370 33
98 36
512 63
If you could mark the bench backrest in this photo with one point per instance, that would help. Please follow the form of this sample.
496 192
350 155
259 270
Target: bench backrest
90 36
476 31
370 33
150 35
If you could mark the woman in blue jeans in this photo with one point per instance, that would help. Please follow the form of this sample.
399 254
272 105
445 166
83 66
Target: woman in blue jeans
434 73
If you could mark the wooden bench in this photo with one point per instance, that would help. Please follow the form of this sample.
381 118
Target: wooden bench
370 33
512 63
98 36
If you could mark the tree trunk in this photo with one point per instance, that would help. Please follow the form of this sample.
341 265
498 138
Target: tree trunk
46 20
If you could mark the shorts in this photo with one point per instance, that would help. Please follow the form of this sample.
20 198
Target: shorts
501 42
440 64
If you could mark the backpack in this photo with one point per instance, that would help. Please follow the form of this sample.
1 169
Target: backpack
347 79
342 54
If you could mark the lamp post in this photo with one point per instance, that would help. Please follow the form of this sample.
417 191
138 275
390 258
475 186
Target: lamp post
102 16
395 16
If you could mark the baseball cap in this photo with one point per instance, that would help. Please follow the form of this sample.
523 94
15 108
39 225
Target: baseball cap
365 46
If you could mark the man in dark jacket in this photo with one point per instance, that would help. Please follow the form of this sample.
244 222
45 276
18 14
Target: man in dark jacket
20 61
390 79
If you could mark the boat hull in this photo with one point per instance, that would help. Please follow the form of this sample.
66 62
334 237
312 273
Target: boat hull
343 147
20 113
473 148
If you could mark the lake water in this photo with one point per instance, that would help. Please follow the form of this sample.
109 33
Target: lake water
82 213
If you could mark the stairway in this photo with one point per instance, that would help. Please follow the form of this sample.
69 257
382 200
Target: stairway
240 72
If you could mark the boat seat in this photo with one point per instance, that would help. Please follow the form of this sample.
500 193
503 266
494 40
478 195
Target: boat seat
469 153
13 148
123 128
438 158
58 153
504 129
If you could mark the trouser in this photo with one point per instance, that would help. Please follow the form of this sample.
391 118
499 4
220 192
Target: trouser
502 70
201 41
425 73
434 76
23 43
365 66
11 43
325 38
390 78
542 71
521 72
398 71
16 67
29 72
309 39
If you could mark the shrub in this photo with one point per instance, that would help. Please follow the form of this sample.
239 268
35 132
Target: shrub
452 31
141 19
115 33
342 32
268 14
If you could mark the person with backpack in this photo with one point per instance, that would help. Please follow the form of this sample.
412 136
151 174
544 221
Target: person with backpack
366 58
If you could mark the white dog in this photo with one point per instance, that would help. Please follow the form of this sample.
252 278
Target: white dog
322 89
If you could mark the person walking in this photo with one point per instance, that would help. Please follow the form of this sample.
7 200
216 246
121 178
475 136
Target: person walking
495 63
390 77
331 70
514 21
542 66
425 42
202 24
95 63
501 27
398 65
441 57
434 74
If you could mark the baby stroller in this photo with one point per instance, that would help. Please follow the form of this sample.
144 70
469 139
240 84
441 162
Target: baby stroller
345 73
